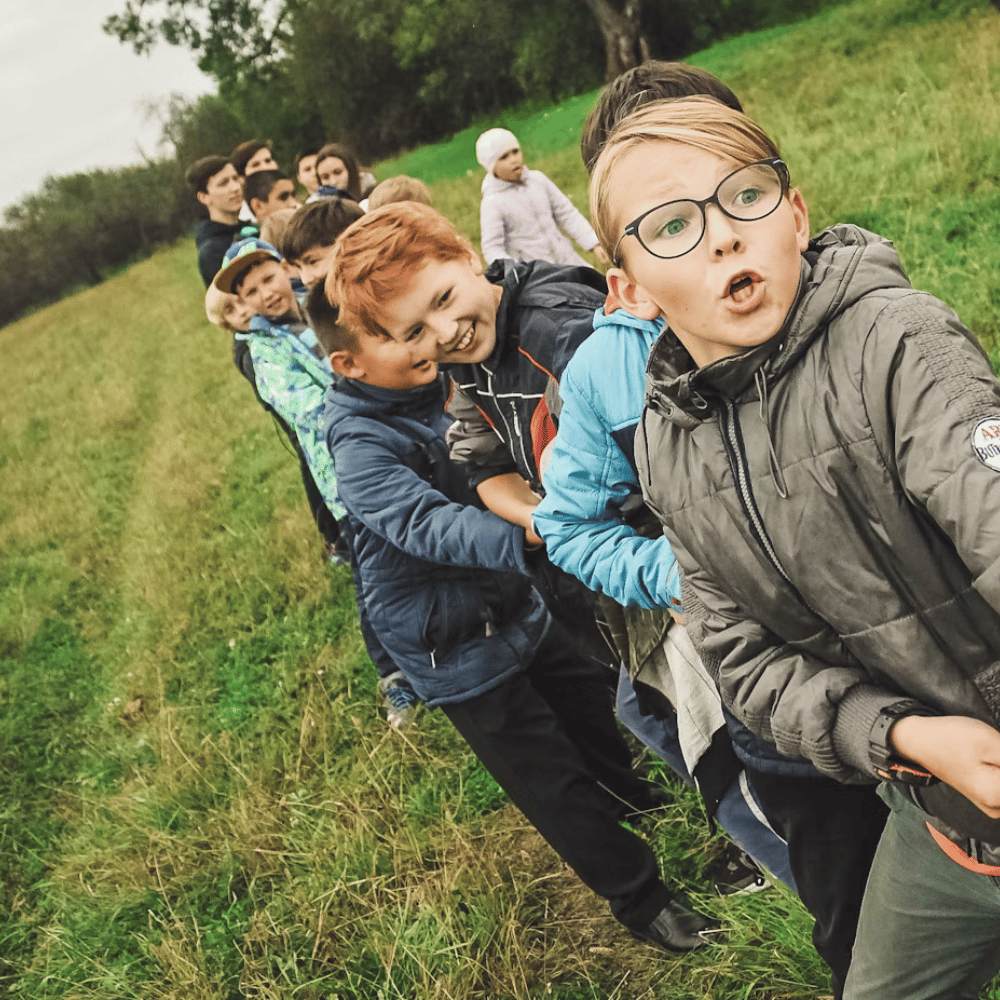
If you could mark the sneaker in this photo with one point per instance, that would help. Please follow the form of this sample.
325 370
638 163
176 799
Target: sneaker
400 700
739 875
676 928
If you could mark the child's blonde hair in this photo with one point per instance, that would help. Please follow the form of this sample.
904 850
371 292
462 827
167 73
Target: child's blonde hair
701 122
401 188
215 307
272 229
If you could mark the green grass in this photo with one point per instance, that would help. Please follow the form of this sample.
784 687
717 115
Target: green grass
199 799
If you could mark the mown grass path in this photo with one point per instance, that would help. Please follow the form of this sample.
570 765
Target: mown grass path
198 798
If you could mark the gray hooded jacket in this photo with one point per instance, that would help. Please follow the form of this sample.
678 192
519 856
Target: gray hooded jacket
833 499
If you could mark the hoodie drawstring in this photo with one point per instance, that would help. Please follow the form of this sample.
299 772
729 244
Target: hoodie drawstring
765 416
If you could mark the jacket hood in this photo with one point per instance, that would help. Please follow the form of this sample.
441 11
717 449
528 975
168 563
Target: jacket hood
840 266
622 318
493 185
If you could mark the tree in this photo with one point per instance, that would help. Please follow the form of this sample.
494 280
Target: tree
624 44
234 39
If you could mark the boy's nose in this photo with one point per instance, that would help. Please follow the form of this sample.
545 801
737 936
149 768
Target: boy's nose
719 232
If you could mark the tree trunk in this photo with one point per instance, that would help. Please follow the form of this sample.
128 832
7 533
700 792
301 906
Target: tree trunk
623 40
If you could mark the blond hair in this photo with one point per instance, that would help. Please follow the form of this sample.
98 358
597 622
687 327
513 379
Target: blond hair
401 188
272 229
700 122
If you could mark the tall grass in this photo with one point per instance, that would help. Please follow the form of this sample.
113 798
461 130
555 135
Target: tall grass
198 798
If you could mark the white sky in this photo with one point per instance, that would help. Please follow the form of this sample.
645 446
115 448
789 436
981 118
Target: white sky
72 97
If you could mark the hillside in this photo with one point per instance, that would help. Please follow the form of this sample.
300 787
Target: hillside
199 799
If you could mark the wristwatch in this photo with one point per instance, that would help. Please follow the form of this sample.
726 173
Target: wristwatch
887 764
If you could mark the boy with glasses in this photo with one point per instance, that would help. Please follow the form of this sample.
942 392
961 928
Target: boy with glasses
818 443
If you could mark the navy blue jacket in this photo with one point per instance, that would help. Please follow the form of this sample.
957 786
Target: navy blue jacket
545 313
444 582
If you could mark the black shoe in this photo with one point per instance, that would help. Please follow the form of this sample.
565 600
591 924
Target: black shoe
739 875
676 928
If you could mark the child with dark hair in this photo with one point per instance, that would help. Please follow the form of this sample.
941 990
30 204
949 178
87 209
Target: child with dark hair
217 186
446 584
653 80
268 191
305 169
596 527
251 156
338 173
308 240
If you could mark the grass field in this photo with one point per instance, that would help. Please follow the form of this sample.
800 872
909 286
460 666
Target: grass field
198 799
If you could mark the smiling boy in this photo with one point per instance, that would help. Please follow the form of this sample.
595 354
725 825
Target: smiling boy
811 444
445 583
506 334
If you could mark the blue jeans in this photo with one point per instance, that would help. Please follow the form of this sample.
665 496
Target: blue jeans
739 813
929 928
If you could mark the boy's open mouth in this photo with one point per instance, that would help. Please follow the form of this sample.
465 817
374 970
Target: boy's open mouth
741 287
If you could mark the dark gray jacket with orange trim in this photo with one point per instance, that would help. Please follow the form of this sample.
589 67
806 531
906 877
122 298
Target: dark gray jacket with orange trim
833 499
545 313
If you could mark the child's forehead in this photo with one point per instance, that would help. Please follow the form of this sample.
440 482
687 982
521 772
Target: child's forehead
260 269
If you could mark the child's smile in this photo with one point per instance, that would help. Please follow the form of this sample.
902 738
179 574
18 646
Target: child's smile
448 313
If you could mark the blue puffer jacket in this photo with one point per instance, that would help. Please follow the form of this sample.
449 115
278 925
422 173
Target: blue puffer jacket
591 473
444 582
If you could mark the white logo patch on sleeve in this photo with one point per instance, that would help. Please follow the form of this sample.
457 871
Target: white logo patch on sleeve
986 442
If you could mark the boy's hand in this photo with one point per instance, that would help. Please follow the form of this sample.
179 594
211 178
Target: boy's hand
510 496
962 752
532 539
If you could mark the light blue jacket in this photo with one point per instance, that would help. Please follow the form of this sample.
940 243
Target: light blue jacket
592 470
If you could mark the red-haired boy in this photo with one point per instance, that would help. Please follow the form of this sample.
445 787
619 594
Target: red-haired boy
477 642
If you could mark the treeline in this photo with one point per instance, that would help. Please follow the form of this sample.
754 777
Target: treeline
380 75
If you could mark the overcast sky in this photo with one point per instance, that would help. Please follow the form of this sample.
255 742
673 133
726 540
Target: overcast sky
72 96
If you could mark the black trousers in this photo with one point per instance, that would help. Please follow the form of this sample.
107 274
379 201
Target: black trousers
549 738
832 832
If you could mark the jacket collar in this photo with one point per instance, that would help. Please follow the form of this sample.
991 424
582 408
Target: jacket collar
840 266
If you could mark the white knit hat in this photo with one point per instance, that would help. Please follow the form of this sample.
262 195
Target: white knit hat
492 144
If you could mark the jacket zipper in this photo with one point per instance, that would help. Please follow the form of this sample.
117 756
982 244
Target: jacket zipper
517 433
732 438
513 429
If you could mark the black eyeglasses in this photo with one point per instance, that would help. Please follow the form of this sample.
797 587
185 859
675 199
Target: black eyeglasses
676 227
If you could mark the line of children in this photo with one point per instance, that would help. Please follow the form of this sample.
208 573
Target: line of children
523 215
278 353
446 584
817 444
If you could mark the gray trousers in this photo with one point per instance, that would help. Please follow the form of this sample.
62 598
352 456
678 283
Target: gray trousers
929 928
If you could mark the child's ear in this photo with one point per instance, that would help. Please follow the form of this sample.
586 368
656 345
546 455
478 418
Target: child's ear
631 296
476 263
801 212
344 363
256 204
